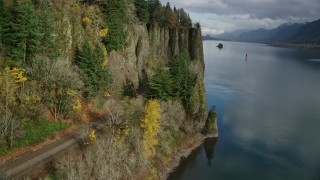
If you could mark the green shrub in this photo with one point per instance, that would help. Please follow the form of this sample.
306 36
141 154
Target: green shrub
211 122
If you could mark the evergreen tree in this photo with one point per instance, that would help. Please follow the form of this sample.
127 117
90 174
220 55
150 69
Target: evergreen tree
142 10
161 85
184 19
102 71
183 78
90 61
115 12
154 6
179 67
21 35
197 25
85 62
170 16
2 18
160 16
48 40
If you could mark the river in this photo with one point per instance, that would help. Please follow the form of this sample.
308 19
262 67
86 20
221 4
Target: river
268 109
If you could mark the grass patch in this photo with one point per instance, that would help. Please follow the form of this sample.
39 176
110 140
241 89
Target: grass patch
34 132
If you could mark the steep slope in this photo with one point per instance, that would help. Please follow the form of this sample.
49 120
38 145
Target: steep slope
97 60
308 34
230 35
284 32
281 33
148 47
259 35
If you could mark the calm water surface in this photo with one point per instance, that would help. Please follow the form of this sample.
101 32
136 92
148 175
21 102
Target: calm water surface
268 115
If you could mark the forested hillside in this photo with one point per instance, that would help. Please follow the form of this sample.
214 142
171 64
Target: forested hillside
135 64
307 33
281 33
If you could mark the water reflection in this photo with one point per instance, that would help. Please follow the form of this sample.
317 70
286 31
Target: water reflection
202 158
209 145
268 114
185 164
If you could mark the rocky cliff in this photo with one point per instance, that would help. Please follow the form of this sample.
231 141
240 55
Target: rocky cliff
148 47
71 75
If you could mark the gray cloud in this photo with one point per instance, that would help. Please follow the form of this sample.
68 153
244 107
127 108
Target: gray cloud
273 9
248 14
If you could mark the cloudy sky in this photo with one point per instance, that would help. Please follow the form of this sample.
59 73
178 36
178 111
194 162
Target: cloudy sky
219 16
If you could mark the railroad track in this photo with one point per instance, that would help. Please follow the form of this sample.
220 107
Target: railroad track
20 166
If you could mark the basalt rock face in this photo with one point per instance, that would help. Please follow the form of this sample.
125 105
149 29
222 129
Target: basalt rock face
148 47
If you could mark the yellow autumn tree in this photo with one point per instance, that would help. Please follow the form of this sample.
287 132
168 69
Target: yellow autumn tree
103 32
8 94
151 125
19 74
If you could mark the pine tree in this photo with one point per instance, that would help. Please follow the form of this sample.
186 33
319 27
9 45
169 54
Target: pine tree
197 25
142 10
183 78
2 18
161 85
22 34
102 71
90 61
154 6
184 19
48 39
170 16
115 12
85 62
160 16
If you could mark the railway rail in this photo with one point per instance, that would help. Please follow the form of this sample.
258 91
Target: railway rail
20 166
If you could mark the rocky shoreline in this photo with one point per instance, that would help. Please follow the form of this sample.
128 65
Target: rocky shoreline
291 45
185 150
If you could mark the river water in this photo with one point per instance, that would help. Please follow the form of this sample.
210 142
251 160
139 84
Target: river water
268 115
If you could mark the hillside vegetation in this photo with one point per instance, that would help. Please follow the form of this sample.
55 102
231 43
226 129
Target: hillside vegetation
307 33
135 64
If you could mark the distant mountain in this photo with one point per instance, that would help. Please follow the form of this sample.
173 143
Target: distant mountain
208 37
259 35
284 32
230 35
303 34
307 34
281 33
